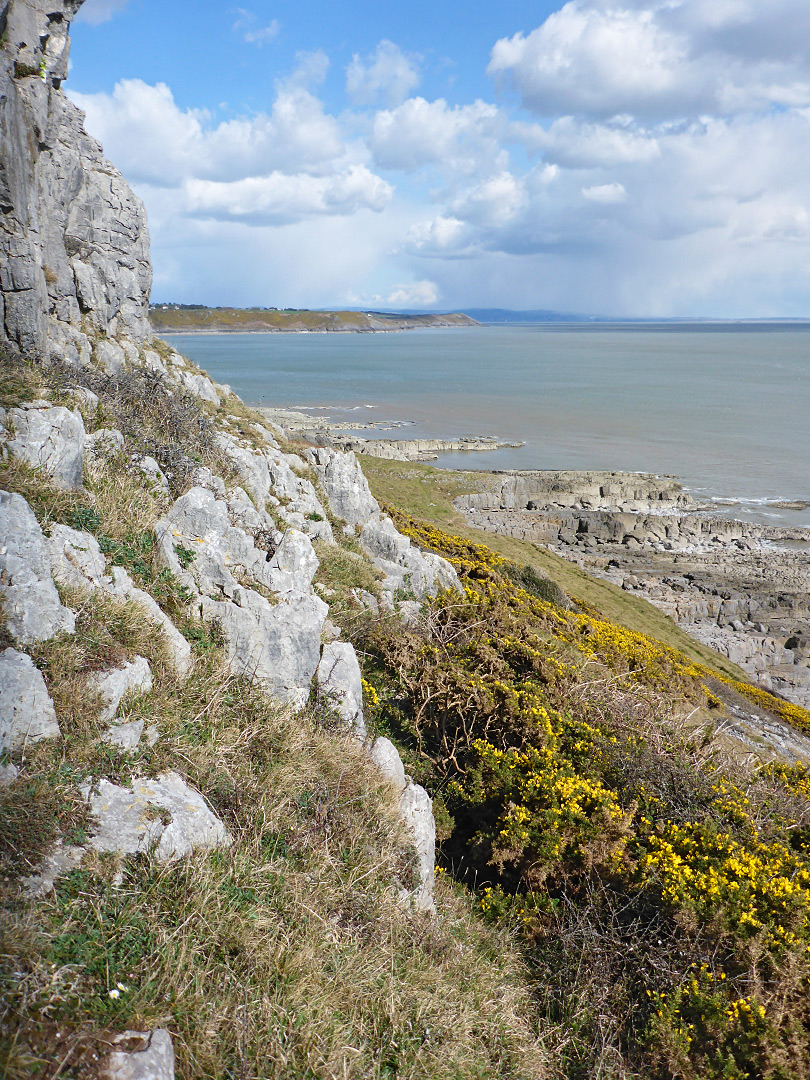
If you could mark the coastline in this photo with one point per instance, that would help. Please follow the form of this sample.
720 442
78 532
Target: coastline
741 588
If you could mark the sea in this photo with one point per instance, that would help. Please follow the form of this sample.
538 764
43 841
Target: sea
723 407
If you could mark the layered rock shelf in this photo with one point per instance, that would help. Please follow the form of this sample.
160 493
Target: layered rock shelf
321 432
742 589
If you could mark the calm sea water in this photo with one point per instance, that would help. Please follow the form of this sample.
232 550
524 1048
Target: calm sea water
724 408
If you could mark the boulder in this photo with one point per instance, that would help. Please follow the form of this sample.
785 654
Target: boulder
340 684
139 1055
386 757
135 820
26 710
109 356
277 644
346 487
8 774
76 559
113 685
199 386
155 476
28 595
106 442
125 736
48 438
416 812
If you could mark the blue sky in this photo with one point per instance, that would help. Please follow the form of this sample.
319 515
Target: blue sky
638 157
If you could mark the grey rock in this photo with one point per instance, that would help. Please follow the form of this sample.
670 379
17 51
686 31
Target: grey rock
277 644
293 564
416 812
409 611
155 476
106 442
28 595
73 239
125 736
140 1055
88 401
346 487
76 559
165 814
8 774
203 477
60 861
199 386
386 757
112 686
109 356
405 566
340 684
26 710
47 438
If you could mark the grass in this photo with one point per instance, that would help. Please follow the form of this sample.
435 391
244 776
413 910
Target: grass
286 955
427 493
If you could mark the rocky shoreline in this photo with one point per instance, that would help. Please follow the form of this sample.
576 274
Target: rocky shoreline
321 432
742 589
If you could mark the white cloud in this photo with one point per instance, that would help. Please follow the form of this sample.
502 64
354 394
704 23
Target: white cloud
443 236
607 194
666 170
421 132
495 201
659 58
387 76
278 199
416 294
154 141
251 31
99 11
582 145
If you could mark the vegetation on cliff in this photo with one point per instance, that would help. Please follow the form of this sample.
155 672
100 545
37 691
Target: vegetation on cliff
178 319
621 892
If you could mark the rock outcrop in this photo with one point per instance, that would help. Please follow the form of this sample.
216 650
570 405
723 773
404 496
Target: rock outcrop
28 596
74 245
404 565
140 1055
26 710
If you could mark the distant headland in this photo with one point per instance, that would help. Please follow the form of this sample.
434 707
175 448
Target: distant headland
193 319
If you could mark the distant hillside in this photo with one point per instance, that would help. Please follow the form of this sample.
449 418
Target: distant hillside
171 319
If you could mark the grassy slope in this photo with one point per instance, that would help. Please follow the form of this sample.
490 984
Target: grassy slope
259 319
428 493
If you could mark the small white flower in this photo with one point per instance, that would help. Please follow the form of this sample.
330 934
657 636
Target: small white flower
115 993
121 986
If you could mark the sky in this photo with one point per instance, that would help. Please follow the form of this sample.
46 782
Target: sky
613 157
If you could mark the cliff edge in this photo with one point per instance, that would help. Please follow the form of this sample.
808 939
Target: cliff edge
74 244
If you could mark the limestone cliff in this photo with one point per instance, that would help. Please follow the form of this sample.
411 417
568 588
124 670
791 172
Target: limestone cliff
74 246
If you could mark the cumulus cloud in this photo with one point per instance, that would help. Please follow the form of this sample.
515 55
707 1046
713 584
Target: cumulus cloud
663 168
415 294
605 193
421 132
278 199
154 141
251 31
385 77
99 11
659 59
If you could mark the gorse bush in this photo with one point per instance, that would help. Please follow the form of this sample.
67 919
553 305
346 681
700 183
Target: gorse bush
663 889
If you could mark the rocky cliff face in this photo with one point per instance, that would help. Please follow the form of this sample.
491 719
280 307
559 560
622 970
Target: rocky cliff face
74 245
